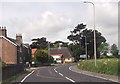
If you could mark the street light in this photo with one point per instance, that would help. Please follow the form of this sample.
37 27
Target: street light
94 29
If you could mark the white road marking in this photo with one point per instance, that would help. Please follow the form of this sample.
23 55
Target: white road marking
60 74
55 70
63 75
93 75
27 76
70 79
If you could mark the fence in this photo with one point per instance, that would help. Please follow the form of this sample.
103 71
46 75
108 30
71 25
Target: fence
11 70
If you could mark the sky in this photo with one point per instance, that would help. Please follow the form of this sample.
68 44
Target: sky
54 19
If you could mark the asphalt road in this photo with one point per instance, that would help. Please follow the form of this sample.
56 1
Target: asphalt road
60 73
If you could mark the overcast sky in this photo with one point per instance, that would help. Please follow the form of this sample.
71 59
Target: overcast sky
55 19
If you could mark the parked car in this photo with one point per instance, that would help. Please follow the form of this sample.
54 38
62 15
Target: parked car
84 56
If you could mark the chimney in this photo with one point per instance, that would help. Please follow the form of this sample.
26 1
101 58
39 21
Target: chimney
59 46
19 37
3 31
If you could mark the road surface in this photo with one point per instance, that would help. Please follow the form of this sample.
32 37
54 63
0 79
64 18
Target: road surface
61 73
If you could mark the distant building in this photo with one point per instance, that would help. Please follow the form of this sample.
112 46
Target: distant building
13 51
33 52
63 53
57 57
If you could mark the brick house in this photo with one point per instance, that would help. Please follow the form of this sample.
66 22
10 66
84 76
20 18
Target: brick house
13 51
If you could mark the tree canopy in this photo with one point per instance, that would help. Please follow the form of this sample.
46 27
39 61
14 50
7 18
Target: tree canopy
114 50
80 33
39 43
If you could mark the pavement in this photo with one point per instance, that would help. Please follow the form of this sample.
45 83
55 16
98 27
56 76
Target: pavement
98 75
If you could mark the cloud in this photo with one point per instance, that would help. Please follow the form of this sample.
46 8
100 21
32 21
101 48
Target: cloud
106 15
47 24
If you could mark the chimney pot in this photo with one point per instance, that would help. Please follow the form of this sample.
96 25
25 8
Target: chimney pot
19 37
3 31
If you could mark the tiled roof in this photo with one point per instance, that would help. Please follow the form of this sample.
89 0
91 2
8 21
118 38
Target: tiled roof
33 51
63 50
57 54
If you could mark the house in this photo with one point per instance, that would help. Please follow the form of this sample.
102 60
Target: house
27 53
57 57
33 52
12 51
63 53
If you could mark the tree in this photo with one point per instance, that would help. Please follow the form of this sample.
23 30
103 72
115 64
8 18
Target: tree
57 43
43 57
39 43
104 48
75 51
78 38
114 50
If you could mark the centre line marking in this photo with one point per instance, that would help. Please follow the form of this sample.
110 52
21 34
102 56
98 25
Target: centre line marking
70 79
63 75
60 74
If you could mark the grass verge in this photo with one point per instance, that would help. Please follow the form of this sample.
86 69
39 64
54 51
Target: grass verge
104 66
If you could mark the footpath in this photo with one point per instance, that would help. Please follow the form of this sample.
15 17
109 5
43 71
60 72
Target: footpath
98 75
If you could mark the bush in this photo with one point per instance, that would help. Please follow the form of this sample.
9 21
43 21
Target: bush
43 57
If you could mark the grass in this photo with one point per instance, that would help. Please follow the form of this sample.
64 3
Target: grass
104 66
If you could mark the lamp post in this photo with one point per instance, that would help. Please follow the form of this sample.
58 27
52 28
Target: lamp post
94 29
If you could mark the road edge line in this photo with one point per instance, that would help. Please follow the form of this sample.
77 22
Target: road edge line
27 76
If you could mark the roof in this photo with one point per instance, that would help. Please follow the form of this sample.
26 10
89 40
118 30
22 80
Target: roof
15 41
8 40
33 51
63 50
56 54
27 45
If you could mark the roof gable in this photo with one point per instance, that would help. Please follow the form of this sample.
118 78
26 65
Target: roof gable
15 41
8 40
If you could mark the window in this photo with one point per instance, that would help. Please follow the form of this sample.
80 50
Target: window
20 49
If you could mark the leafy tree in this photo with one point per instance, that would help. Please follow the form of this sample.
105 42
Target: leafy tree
75 51
104 48
57 43
78 38
39 43
114 50
43 57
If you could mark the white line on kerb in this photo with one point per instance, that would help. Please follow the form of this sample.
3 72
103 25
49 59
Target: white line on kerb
27 76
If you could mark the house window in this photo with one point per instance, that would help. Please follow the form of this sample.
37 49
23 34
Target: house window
20 59
20 49
28 51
